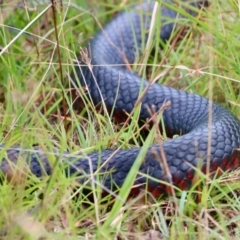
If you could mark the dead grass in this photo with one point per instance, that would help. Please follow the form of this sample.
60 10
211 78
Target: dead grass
36 108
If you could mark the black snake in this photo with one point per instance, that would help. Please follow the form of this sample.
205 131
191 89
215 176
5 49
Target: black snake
109 81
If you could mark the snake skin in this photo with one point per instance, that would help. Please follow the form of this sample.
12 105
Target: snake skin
109 81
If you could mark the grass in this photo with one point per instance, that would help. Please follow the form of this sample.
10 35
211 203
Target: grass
205 61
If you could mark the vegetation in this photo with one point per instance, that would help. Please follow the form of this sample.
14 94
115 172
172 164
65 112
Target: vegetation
37 108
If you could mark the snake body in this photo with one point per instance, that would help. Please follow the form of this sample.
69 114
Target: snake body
108 80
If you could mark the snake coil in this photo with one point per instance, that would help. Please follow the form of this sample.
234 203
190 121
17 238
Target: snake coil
109 81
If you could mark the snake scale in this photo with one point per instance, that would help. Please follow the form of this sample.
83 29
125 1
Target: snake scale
111 82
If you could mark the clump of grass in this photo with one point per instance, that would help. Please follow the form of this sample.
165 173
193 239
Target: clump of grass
205 61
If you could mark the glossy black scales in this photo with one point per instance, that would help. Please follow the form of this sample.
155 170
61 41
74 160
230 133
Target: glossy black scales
110 81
